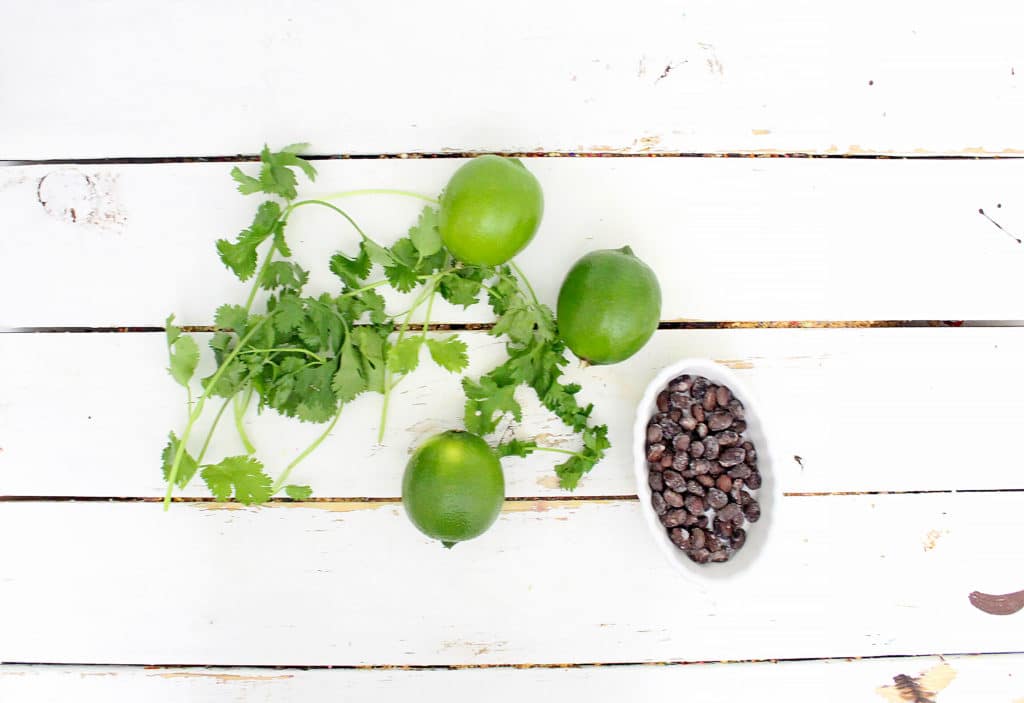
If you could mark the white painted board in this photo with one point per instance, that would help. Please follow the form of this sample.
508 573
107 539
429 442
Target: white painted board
355 583
963 679
122 79
849 410
730 239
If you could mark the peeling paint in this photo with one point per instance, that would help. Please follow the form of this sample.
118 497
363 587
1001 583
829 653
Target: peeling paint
549 481
931 538
222 678
736 363
760 132
926 686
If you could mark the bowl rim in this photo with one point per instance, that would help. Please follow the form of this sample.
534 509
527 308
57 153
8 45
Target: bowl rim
752 557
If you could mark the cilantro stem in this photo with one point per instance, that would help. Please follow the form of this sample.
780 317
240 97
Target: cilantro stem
368 286
241 405
379 191
259 277
209 435
305 452
519 272
307 352
338 210
197 411
555 449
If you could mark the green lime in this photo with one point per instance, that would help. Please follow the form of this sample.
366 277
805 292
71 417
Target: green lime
490 210
608 306
453 487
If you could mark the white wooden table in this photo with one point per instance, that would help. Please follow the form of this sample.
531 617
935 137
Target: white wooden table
865 299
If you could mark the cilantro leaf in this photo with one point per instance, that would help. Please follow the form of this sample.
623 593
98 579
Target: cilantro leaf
285 274
449 353
401 277
404 356
486 403
240 256
288 313
247 185
183 353
378 254
298 492
349 381
186 467
595 443
241 475
372 343
351 270
276 176
515 447
231 317
463 285
425 235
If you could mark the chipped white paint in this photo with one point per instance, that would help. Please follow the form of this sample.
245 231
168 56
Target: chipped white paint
390 76
72 196
978 679
319 587
731 239
865 410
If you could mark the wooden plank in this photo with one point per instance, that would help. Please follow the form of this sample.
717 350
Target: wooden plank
967 679
115 80
849 410
731 239
356 584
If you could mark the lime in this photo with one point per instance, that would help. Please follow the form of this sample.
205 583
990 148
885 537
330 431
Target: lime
453 487
490 210
608 306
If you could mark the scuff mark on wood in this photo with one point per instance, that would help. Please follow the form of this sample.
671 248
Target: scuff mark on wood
799 460
981 211
931 538
222 678
549 481
920 689
760 132
736 363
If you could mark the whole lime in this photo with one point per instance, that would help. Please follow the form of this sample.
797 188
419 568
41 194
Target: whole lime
453 487
608 306
490 210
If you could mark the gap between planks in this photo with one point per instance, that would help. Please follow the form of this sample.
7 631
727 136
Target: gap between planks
664 325
970 154
457 667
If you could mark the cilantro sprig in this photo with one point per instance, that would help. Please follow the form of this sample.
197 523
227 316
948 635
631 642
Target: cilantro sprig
306 356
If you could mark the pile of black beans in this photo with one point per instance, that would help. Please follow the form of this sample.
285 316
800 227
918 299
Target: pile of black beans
701 469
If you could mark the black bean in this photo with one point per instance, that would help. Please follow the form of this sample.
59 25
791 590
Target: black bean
654 434
711 448
739 537
702 522
655 452
717 498
681 461
688 473
739 426
688 423
673 518
730 512
754 480
740 471
698 412
681 383
702 430
723 528
724 483
680 401
654 481
694 488
696 449
675 415
694 504
674 499
658 503
736 408
719 556
697 538
747 445
670 427
710 399
728 438
753 510
700 466
731 457
706 480
716 468
679 537
699 387
745 499
662 402
723 396
682 442
701 556
667 458
689 520
751 456
737 489
720 420
711 543
674 481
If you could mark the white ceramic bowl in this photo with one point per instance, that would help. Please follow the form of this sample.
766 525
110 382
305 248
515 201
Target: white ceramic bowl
751 558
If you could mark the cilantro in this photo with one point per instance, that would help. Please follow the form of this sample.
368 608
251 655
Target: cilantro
276 178
298 492
187 467
404 356
449 353
515 447
183 352
241 475
425 235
